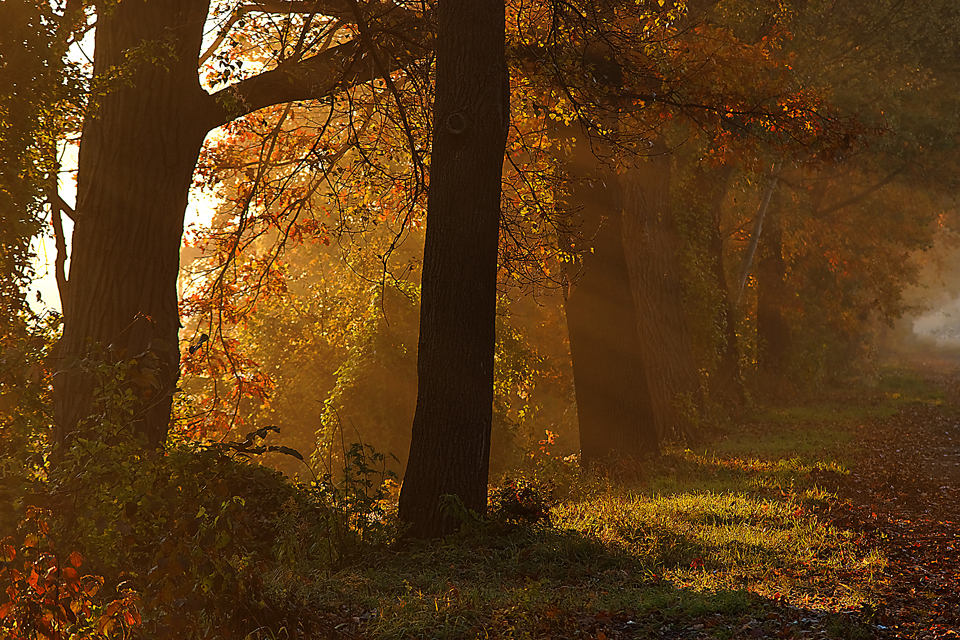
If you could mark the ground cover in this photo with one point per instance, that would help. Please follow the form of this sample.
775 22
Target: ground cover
831 517
791 523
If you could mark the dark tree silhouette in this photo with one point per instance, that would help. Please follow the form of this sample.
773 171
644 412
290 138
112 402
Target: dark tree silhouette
450 448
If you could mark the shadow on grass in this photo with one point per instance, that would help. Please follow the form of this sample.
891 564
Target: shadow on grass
557 582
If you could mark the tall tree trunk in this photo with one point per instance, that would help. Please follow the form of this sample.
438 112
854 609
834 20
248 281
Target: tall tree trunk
649 242
727 385
450 446
614 408
137 155
773 332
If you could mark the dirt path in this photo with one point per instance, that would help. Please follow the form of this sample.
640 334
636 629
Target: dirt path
904 496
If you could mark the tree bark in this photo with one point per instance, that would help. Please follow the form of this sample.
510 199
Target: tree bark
137 154
614 408
450 446
649 243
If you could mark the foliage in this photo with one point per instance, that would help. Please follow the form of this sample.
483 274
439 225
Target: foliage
46 595
37 82
358 504
331 348
519 502
193 529
24 411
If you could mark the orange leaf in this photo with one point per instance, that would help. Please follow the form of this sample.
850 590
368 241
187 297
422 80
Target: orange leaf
113 607
132 617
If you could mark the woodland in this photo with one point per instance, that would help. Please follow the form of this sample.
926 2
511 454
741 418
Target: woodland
478 319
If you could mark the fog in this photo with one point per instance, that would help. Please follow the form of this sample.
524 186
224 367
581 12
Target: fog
935 322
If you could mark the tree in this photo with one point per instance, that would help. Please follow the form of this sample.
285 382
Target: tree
614 405
450 447
652 79
138 150
835 252
38 85
649 238
701 191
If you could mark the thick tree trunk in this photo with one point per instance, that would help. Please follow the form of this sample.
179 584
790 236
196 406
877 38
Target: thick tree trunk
773 332
649 242
137 155
450 447
614 408
138 152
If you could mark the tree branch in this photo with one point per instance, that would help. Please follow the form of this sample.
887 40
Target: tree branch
757 229
316 77
862 195
339 9
59 263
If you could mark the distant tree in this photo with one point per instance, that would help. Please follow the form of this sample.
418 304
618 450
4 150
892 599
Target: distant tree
640 81
845 226
615 408
450 449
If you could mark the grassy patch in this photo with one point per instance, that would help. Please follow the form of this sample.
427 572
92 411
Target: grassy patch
902 386
723 541
820 430
703 537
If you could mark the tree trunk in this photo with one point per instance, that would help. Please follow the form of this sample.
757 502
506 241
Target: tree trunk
773 332
137 155
450 446
649 243
727 385
614 408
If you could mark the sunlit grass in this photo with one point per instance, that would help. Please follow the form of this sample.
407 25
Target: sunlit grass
669 546
727 532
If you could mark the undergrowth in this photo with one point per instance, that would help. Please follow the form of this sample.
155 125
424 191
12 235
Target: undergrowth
199 541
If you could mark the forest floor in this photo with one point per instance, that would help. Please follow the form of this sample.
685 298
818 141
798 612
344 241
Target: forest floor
835 517
903 496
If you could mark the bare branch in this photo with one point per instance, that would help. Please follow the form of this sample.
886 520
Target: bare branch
862 195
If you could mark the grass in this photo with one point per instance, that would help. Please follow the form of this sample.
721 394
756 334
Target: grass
721 538
649 556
